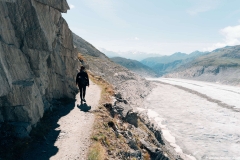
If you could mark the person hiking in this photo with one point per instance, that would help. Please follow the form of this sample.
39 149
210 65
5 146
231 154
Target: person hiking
82 82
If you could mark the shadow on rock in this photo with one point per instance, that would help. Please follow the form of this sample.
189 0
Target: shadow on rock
47 133
84 107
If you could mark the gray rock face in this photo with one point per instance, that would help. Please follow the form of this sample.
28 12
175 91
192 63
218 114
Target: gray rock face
126 112
60 5
37 60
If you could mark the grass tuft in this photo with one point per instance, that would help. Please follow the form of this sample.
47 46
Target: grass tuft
80 57
146 156
96 152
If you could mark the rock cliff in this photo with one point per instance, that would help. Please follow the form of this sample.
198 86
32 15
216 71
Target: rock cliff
37 60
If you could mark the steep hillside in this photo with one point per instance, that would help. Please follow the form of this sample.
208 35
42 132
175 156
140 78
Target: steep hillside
166 64
132 87
221 65
135 66
37 60
86 48
162 68
122 140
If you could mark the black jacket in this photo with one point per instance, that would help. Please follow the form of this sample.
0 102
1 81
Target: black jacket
82 79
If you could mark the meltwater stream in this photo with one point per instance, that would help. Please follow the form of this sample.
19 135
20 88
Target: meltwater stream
203 119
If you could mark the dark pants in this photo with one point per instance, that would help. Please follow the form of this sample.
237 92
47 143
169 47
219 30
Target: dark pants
82 91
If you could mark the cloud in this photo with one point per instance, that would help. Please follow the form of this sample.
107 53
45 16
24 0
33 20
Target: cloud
136 38
231 37
71 6
202 6
199 10
106 9
233 14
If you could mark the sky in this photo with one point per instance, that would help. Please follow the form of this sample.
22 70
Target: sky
156 26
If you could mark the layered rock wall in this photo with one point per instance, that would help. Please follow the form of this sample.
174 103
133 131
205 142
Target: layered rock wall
37 60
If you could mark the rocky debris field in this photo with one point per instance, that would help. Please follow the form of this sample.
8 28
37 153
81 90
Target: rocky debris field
123 134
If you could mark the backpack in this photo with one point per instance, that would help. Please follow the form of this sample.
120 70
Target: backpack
82 81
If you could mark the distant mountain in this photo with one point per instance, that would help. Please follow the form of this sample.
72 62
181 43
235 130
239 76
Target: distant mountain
109 54
135 66
166 64
221 65
152 61
135 55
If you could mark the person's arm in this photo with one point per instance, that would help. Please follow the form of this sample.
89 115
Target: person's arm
77 80
87 78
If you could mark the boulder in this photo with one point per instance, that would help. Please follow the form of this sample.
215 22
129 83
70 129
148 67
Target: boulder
122 109
136 154
125 110
132 118
132 144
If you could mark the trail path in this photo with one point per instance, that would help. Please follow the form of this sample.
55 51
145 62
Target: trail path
71 128
74 139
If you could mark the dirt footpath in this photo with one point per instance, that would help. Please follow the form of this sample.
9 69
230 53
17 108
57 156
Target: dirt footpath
76 127
71 128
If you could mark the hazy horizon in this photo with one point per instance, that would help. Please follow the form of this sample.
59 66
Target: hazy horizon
157 26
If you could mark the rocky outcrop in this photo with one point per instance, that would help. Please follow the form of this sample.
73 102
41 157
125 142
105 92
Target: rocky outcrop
37 60
144 141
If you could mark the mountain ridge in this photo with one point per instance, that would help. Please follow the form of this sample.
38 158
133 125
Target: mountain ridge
220 65
135 66
165 64
134 55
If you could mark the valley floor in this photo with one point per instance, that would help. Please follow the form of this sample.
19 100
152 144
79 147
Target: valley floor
200 120
71 138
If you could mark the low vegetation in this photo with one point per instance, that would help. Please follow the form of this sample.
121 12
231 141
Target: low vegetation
96 152
81 57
